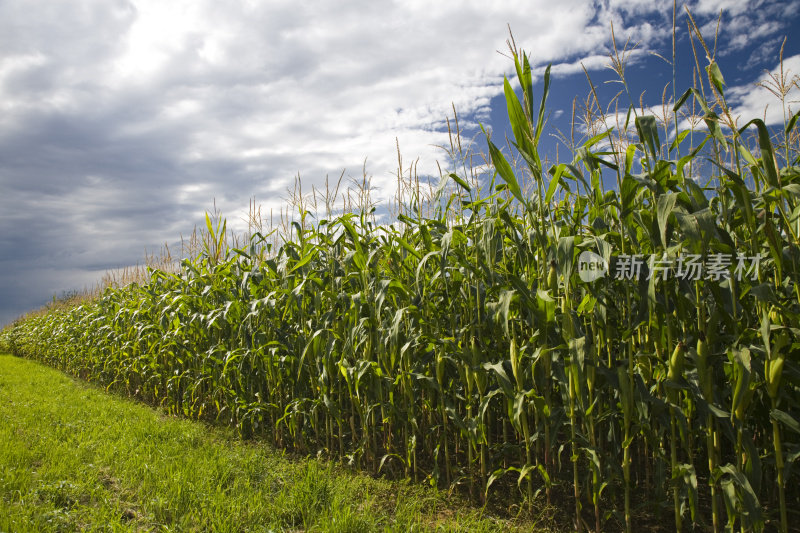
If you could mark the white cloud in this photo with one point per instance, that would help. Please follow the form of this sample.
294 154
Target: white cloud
756 101
713 7
739 24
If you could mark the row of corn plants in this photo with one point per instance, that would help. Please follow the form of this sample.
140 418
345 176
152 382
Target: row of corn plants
461 346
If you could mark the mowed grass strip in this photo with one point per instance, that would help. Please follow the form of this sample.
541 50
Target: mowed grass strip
73 458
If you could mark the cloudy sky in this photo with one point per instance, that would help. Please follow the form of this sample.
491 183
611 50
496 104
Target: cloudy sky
123 121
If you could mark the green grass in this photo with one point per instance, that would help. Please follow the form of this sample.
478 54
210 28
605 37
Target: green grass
75 458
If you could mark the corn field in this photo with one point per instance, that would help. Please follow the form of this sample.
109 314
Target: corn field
460 345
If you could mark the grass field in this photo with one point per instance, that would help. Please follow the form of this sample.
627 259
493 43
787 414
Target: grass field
73 458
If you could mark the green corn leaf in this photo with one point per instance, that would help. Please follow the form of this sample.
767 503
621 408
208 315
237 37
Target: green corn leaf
678 140
665 207
526 81
630 151
518 411
304 261
566 256
517 118
712 123
502 377
597 138
506 297
715 74
407 247
540 119
554 181
792 122
786 419
747 155
494 476
767 154
463 184
505 171
524 76
209 226
648 134
738 480
681 100
525 471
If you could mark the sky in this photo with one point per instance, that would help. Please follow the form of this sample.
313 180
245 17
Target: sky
123 121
